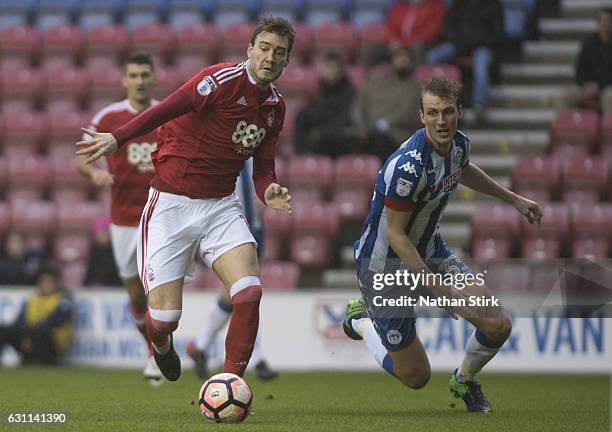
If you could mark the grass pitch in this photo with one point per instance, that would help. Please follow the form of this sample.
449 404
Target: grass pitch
118 400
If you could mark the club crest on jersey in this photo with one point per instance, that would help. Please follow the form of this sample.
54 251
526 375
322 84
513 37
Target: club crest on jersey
408 167
206 86
458 154
270 118
403 187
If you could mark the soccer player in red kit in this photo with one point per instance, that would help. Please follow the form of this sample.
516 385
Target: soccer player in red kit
222 116
128 175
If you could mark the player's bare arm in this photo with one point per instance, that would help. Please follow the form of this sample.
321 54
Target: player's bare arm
277 197
475 178
100 177
100 144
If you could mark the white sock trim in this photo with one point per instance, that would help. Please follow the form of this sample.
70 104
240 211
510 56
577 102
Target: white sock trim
243 283
165 315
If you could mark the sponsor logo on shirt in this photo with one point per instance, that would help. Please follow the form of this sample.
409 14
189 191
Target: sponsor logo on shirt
450 182
139 154
249 136
206 86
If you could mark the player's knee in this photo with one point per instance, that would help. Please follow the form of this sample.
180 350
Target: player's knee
500 329
415 381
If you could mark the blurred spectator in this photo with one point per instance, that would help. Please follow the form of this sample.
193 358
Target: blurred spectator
324 126
594 65
20 262
416 23
473 28
101 268
519 19
42 331
386 110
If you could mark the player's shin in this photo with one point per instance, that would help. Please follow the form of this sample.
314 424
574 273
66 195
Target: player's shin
243 326
139 318
479 351
160 324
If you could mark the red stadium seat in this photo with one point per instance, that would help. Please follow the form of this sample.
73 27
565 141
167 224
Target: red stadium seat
312 173
495 228
67 89
68 247
205 280
606 131
585 179
273 247
280 275
63 169
20 44
353 204
157 39
574 132
314 232
373 40
167 80
105 88
309 250
21 91
426 72
536 177
80 216
31 170
106 42
3 171
504 276
337 36
357 74
302 44
591 230
62 46
356 171
298 82
277 222
65 195
65 129
33 216
24 193
546 240
234 37
202 41
320 219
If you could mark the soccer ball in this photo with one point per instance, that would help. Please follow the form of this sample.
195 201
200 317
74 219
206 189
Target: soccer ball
225 398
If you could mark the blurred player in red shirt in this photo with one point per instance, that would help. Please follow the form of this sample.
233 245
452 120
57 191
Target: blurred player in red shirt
128 175
222 116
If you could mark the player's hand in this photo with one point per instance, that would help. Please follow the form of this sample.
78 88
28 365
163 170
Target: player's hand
102 178
277 197
528 208
100 144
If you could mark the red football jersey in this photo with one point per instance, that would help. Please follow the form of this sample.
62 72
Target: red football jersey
131 165
201 153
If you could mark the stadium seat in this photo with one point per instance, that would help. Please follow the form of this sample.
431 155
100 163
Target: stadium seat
291 10
424 73
32 170
606 130
19 46
139 13
313 173
105 45
547 240
314 233
62 46
353 204
16 193
185 13
503 276
167 80
354 177
14 13
537 177
279 275
98 13
298 82
21 91
67 89
23 130
66 194
336 36
591 230
105 88
373 39
51 14
273 247
65 129
157 39
33 216
3 172
229 13
277 222
234 41
585 179
201 43
574 133
69 247
319 12
79 217
357 74
494 231
302 44
64 173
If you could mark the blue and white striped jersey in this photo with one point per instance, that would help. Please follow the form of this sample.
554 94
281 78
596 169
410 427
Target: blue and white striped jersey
417 178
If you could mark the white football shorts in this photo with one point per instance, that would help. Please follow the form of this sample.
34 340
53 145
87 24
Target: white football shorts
175 228
124 240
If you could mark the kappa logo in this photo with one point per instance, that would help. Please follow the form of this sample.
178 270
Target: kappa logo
394 337
409 168
242 101
415 154
206 86
403 187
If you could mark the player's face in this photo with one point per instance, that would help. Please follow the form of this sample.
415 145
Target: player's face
267 57
139 81
440 117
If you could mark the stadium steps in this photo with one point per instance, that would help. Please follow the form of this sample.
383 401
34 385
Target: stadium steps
582 8
510 118
519 95
508 142
550 51
566 28
537 73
